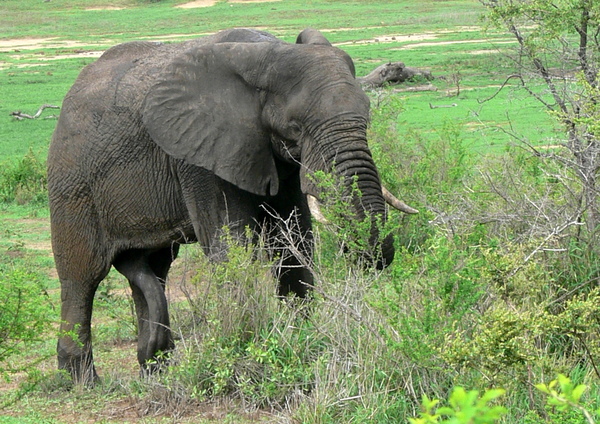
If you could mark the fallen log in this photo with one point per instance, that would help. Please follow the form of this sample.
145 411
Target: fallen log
394 73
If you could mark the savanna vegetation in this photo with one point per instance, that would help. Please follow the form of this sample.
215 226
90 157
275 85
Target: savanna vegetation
491 309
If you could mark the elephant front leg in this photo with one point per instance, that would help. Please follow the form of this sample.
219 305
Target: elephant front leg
293 243
289 230
293 276
154 334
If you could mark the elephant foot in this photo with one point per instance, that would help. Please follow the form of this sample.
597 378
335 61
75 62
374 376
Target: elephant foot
81 369
156 365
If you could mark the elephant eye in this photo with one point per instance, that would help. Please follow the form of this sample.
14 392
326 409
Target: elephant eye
294 131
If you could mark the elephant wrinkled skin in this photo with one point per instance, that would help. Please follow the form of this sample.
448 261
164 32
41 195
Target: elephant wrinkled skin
163 144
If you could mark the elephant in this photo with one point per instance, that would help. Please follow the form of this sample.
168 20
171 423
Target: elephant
159 145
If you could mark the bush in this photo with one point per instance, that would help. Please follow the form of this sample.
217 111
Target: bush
238 339
323 361
24 311
24 182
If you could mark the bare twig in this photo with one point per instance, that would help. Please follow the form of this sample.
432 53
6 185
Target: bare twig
441 106
18 115
501 88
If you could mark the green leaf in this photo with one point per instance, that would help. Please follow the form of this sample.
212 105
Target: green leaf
491 394
578 392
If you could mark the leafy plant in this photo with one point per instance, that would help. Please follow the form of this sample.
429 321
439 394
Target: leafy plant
24 182
24 311
463 408
563 395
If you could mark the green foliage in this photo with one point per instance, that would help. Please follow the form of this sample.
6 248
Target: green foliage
24 182
463 408
510 342
24 311
347 230
426 293
552 23
564 403
239 339
562 393
588 117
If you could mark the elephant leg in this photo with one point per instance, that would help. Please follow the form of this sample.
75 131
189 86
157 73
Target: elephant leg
81 265
290 232
75 342
146 272
291 271
161 260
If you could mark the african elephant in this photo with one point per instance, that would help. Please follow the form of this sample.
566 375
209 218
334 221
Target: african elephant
163 144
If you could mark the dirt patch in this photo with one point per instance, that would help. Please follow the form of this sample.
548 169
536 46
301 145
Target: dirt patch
207 3
197 3
477 52
344 29
23 44
172 37
19 44
392 38
448 43
104 8
87 53
407 38
252 1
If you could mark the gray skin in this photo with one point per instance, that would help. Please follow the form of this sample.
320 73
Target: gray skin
163 144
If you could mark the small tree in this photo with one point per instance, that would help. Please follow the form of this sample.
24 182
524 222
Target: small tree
559 43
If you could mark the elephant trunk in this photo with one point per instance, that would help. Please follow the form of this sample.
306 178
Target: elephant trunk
342 150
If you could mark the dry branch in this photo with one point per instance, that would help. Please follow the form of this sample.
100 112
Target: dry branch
416 89
18 115
431 106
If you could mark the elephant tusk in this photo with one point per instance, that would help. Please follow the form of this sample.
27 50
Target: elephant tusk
395 203
315 209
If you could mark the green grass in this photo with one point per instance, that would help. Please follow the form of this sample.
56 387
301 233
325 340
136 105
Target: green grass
28 79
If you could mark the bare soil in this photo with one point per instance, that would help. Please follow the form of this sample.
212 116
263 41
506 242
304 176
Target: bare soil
197 3
105 8
208 3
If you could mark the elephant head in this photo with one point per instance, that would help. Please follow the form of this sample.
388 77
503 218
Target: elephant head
237 109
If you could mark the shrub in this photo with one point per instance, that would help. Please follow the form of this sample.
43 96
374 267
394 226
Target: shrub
238 339
24 182
24 311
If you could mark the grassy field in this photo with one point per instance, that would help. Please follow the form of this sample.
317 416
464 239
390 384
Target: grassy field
459 288
444 37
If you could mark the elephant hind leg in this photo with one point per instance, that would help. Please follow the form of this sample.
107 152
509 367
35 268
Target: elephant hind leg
75 341
146 272
78 287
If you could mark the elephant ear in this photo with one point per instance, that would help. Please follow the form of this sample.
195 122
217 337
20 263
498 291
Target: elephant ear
312 36
203 110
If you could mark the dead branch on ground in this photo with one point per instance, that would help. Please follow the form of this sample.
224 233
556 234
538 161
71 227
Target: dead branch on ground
392 72
18 115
